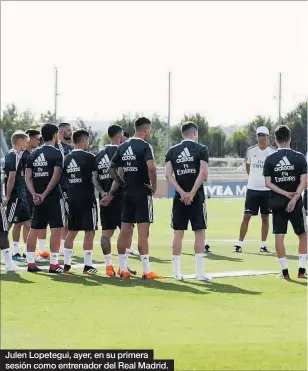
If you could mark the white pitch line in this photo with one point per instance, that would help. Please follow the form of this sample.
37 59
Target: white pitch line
187 276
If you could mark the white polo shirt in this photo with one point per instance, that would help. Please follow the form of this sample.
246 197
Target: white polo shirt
256 158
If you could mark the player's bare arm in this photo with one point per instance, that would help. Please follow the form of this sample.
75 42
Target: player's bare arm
202 177
302 186
53 182
152 174
247 163
114 172
10 184
29 181
276 189
97 184
171 179
247 167
114 187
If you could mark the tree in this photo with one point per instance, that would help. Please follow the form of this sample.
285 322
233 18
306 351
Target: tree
216 140
240 144
297 121
200 121
94 136
11 121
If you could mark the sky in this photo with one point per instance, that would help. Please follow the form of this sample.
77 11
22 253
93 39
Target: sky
114 58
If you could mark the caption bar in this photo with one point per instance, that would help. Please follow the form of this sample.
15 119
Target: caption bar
82 360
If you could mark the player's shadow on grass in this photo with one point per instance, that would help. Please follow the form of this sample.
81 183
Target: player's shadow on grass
271 254
152 259
97 280
225 288
13 277
212 256
79 260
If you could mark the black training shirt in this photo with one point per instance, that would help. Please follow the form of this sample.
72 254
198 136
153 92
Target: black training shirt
42 161
102 161
12 162
285 168
185 158
132 156
78 168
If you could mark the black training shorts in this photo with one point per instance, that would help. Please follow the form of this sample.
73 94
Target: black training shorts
82 215
257 200
49 212
183 214
137 208
17 211
297 218
111 215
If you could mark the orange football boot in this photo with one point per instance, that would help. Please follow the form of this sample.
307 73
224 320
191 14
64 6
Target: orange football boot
110 271
151 276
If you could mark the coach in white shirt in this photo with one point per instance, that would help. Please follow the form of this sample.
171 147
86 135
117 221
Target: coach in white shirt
257 197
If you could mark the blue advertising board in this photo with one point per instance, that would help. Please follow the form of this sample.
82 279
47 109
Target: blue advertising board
222 190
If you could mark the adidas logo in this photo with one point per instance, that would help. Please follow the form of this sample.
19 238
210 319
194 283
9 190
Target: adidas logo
40 161
72 167
284 164
104 162
128 155
184 156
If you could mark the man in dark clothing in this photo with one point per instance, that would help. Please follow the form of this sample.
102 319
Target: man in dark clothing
285 174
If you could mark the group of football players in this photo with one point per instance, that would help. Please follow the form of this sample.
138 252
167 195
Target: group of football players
55 184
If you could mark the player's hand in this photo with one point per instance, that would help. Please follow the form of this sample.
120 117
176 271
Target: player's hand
188 198
289 195
291 204
38 199
105 201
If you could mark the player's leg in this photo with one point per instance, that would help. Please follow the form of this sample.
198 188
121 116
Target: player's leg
280 228
88 252
197 215
265 211
4 242
106 249
74 226
55 220
179 224
68 249
89 225
299 224
125 236
21 219
264 233
42 244
110 219
128 218
16 231
251 208
64 230
144 218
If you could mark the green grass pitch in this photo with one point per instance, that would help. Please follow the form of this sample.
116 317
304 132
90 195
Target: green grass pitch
241 323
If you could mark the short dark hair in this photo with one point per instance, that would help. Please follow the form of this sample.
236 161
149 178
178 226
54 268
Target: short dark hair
140 121
188 125
32 132
282 134
79 135
113 130
48 131
126 134
63 124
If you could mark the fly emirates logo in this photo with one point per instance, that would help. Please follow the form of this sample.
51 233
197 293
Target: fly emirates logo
283 167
